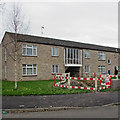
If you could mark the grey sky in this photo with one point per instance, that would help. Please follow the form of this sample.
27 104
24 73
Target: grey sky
89 22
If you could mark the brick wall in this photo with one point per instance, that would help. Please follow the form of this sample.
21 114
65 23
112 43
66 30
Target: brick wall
9 45
44 61
93 61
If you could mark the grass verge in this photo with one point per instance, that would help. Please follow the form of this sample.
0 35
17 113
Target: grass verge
42 87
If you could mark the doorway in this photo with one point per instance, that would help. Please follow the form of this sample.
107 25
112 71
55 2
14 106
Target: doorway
74 71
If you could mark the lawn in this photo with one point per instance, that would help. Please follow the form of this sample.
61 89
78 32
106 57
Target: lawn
42 87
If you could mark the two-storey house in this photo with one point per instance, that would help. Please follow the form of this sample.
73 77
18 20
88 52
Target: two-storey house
39 58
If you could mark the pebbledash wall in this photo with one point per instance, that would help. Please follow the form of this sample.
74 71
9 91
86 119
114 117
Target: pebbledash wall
44 59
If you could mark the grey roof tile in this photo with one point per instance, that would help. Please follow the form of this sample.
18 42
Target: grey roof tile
58 42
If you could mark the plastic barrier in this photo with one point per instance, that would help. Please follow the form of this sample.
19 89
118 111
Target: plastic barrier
65 78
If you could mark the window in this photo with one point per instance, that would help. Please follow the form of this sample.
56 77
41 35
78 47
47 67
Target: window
109 61
29 69
54 68
87 69
115 55
73 56
29 50
101 69
87 54
101 56
54 51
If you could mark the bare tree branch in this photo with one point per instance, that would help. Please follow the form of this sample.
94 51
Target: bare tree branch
2 5
16 24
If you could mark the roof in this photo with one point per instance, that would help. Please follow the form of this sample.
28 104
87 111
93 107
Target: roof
64 43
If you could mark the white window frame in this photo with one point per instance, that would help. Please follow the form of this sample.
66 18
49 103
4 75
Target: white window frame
87 54
101 56
27 46
54 52
101 69
87 68
26 67
54 71
73 60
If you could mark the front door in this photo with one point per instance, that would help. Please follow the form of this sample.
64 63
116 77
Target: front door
109 72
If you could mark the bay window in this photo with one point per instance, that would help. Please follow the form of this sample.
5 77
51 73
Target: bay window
73 57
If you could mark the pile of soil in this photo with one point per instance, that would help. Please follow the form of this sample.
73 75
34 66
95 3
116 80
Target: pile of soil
85 83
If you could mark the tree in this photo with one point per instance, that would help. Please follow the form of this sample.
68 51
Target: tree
2 4
16 24
16 21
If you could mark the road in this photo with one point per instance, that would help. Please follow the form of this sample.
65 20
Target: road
91 112
71 100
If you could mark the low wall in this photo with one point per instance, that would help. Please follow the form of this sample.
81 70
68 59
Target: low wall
115 84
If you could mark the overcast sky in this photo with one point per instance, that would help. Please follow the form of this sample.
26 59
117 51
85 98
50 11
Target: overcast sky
88 22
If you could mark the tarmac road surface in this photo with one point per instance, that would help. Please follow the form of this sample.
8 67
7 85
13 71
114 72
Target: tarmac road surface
92 112
72 100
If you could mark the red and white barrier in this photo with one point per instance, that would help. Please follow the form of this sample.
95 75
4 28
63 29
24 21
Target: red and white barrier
108 76
64 78
75 78
76 87
106 84
101 88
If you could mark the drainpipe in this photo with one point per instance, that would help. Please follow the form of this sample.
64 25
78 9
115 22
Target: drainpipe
106 63
82 62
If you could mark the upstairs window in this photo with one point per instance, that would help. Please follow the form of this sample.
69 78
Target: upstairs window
54 51
29 50
87 54
101 56
115 55
109 61
73 56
